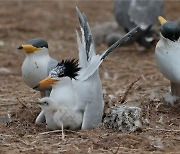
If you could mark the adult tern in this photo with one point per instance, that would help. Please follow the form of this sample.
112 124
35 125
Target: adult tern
79 85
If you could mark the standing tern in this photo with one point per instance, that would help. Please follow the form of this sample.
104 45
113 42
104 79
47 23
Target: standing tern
82 88
167 53
37 64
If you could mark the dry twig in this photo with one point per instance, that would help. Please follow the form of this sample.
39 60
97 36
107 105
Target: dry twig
127 90
165 130
116 150
21 103
50 132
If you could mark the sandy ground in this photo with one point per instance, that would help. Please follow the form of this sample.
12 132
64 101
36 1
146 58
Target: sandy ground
56 22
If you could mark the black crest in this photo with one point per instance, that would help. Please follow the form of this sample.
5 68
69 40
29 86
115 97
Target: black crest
66 68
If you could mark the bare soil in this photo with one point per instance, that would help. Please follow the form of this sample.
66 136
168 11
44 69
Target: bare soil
56 22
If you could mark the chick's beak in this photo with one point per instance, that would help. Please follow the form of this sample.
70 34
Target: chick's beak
39 103
46 81
162 20
28 48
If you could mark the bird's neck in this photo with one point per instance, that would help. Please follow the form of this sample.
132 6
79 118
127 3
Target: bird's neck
64 92
51 110
39 53
168 43
65 81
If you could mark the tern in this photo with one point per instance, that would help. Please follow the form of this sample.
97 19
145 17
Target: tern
78 84
37 64
59 116
167 50
167 53
130 13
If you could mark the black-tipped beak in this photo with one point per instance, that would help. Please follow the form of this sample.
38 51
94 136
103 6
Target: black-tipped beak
20 47
37 86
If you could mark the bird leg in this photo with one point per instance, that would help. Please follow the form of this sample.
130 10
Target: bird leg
40 118
175 91
62 130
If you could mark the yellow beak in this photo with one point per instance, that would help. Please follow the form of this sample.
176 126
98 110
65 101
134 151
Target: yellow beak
161 20
28 48
46 81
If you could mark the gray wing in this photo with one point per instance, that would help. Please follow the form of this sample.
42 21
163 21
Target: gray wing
98 59
145 12
52 64
121 9
86 43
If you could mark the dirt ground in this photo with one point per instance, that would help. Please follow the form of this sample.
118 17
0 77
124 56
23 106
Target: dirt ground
56 21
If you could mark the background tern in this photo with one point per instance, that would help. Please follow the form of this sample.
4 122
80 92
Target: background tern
37 64
167 53
130 13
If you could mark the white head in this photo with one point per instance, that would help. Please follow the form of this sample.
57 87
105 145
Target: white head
47 103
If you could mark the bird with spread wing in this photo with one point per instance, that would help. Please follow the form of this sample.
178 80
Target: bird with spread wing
77 85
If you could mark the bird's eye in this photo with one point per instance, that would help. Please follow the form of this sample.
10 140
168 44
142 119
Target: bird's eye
46 103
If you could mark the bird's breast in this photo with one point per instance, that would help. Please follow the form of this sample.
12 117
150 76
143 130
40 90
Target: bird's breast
64 96
168 61
34 70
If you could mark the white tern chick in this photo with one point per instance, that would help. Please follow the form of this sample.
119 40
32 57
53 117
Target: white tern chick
60 117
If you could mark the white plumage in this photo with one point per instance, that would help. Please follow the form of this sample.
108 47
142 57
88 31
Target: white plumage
58 116
167 55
